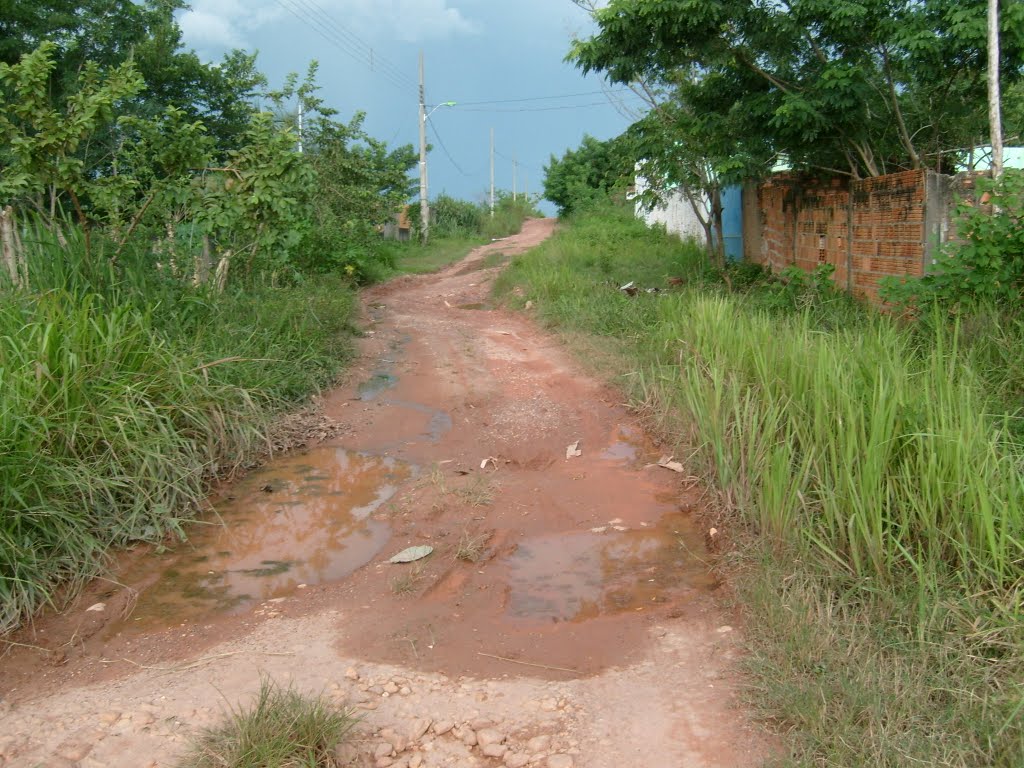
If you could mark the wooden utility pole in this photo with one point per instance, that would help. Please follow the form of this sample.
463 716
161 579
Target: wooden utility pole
492 173
995 117
424 205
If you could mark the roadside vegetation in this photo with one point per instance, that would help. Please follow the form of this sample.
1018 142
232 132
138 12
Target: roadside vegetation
174 273
871 465
871 468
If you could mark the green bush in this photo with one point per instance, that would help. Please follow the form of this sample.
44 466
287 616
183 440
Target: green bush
455 218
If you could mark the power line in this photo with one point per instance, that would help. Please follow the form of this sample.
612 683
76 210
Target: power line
544 109
440 141
317 13
531 166
374 59
303 15
542 98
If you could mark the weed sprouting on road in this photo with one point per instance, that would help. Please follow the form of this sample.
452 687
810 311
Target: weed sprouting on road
282 727
471 547
875 465
407 582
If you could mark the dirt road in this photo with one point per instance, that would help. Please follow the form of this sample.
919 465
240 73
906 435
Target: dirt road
565 617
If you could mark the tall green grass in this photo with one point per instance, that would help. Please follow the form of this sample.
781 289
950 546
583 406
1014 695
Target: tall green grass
124 392
877 468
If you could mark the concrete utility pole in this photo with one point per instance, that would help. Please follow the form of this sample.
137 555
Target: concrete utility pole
995 117
492 173
424 206
515 171
300 126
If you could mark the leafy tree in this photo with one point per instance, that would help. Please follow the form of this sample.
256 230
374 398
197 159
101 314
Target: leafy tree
590 171
858 87
258 203
108 33
360 182
39 142
684 146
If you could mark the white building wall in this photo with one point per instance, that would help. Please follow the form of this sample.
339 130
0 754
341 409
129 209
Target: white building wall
675 213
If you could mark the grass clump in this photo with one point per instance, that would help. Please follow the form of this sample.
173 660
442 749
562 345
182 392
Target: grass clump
876 466
283 728
407 582
478 493
470 548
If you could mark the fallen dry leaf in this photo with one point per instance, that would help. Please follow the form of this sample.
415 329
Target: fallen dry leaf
409 555
667 463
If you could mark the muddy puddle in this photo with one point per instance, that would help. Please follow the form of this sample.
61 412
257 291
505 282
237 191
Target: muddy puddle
582 575
303 520
626 445
373 387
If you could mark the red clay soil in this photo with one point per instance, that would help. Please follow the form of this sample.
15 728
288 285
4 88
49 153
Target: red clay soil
567 601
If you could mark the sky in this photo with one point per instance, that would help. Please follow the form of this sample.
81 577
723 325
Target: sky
501 61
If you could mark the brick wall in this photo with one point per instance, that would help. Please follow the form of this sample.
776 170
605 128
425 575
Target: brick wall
866 229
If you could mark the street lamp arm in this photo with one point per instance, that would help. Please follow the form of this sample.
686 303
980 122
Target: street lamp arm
437 107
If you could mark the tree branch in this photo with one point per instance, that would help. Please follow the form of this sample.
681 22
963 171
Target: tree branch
898 113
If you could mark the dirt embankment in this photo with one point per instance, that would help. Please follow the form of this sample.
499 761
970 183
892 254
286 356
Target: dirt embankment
566 616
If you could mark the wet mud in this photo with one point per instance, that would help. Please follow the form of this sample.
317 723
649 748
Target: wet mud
302 520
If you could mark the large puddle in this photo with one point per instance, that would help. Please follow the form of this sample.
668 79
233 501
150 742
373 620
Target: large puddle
581 575
303 520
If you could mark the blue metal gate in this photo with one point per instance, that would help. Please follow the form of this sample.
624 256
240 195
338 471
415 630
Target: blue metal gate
732 222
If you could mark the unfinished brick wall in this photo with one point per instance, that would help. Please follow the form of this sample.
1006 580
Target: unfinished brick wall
888 235
866 229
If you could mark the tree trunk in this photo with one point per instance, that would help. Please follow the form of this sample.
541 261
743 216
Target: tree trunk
221 277
12 255
204 260
995 117
696 200
716 222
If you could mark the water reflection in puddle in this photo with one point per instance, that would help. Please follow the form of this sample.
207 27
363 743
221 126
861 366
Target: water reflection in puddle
305 519
580 575
625 446
371 388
